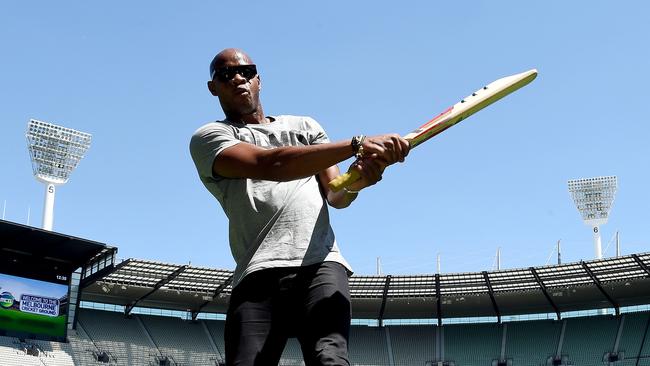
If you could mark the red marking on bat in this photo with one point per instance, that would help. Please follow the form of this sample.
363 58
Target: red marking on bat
432 122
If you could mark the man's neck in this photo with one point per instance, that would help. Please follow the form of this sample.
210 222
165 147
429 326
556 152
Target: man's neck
256 117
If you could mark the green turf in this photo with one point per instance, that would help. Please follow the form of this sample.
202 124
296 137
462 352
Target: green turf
19 321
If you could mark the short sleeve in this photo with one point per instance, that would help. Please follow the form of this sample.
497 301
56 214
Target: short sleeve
317 134
208 142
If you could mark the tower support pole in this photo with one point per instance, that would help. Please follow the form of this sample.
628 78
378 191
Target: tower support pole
48 208
598 247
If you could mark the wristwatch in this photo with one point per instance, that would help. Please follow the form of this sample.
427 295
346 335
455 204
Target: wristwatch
357 145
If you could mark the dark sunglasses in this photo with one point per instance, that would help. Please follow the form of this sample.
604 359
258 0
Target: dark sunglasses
226 73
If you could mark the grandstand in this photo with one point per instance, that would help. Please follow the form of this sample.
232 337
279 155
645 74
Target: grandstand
151 340
446 306
532 341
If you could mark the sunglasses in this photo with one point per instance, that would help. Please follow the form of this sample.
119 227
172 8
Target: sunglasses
226 73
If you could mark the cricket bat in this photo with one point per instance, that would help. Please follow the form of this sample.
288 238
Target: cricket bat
452 115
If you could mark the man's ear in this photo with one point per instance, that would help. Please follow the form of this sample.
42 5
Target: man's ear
212 87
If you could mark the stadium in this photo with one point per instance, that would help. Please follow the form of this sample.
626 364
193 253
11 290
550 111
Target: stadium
583 313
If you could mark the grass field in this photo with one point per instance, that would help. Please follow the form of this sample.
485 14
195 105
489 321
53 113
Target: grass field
19 321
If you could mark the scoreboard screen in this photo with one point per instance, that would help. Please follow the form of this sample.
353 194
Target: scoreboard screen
33 308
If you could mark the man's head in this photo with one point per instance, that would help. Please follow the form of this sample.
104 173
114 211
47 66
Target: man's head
235 81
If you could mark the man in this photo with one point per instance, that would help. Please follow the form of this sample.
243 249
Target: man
270 176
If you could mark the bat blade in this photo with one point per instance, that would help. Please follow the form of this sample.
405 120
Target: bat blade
452 115
470 105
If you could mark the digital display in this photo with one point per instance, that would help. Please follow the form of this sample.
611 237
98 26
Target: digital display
37 309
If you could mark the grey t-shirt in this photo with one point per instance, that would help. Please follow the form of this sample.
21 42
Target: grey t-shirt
271 224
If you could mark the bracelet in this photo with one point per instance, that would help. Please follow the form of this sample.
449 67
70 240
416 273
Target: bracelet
357 145
346 190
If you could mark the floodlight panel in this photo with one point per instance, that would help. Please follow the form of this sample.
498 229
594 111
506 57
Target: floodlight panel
55 150
593 196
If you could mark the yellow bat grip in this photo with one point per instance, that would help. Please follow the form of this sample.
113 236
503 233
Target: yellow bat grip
344 180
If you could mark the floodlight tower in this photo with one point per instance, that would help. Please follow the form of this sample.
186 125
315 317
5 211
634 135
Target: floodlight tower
55 152
593 198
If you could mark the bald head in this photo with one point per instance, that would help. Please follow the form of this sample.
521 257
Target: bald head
234 80
228 57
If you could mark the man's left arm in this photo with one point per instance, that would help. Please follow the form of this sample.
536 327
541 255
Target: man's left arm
370 170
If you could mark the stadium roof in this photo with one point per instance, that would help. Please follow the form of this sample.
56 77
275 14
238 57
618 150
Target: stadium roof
24 249
606 283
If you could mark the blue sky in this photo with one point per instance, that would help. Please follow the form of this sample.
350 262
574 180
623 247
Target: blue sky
133 75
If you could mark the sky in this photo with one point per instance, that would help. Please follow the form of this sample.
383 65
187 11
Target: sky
133 74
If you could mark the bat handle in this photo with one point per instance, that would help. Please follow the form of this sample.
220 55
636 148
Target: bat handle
344 180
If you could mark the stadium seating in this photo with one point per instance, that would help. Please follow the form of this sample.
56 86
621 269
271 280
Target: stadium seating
413 344
84 351
634 327
54 353
531 343
292 355
124 338
587 339
187 343
368 346
645 351
15 352
143 340
485 341
216 329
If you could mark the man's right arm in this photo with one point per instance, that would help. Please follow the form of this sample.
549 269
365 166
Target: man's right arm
286 163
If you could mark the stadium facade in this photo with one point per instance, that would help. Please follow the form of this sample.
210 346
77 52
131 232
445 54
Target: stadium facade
128 337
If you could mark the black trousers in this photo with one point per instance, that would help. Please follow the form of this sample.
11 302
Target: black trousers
311 303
